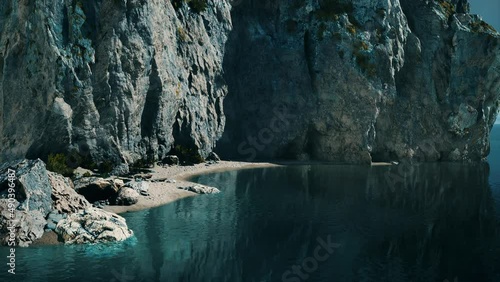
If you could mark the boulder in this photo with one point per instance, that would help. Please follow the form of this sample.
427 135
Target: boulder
45 200
29 204
80 172
53 218
119 183
200 189
126 197
93 226
170 160
33 189
96 189
139 186
22 226
65 198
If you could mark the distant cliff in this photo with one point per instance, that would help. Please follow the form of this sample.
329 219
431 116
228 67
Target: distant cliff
360 81
336 80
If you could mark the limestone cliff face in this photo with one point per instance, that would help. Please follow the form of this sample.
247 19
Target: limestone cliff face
337 80
117 80
360 81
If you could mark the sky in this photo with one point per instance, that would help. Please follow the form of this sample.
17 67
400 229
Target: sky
489 10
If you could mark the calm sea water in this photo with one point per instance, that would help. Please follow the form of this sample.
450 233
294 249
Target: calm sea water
431 222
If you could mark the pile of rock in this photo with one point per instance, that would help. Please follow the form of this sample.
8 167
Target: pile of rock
93 226
48 201
170 160
113 191
200 189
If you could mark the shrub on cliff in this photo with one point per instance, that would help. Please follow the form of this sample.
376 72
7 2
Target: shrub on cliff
58 163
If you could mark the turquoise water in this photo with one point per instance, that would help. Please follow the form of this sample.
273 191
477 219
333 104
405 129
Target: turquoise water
431 222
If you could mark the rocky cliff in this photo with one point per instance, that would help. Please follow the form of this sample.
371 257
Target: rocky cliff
337 80
360 81
117 80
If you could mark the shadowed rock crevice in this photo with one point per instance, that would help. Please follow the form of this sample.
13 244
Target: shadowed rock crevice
152 104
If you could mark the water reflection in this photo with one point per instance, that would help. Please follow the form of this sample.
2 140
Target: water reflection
428 222
437 222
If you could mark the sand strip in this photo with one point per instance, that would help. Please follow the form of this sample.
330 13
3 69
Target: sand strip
161 193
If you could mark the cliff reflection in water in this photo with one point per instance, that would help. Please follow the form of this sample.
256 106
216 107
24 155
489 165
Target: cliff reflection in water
429 222
426 222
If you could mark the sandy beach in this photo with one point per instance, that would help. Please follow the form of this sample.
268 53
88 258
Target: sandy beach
161 193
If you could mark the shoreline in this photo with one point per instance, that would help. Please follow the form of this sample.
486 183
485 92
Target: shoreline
163 193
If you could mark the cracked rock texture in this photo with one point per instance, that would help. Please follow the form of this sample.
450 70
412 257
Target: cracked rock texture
335 80
360 81
41 196
93 226
117 80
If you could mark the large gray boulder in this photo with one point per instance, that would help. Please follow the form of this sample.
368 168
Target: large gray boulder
21 227
26 212
33 189
43 199
141 186
93 226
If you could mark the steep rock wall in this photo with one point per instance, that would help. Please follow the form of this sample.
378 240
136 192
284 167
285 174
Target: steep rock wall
335 80
117 80
360 81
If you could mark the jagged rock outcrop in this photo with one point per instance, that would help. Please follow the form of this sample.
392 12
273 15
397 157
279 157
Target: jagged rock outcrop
41 199
64 198
360 81
112 80
93 226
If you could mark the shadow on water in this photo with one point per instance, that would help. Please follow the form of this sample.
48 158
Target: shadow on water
435 222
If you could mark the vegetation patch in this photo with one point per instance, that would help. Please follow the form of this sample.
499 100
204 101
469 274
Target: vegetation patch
351 29
106 166
58 163
362 59
482 26
447 7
